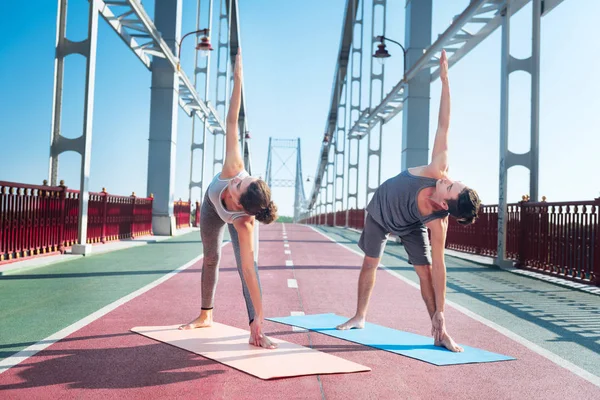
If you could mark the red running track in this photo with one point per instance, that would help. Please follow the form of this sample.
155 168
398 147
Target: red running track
104 360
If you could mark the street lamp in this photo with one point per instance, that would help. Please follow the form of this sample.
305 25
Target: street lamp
382 54
203 46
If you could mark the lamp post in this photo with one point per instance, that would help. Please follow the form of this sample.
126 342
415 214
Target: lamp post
203 46
381 54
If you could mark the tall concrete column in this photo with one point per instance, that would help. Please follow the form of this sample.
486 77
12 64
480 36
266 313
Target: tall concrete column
508 159
415 114
163 120
82 144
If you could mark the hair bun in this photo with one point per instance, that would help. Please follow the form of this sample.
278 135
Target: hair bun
263 213
467 220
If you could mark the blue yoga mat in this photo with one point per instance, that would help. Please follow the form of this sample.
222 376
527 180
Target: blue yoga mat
388 339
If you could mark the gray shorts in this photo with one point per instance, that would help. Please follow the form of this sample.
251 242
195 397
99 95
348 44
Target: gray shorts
416 242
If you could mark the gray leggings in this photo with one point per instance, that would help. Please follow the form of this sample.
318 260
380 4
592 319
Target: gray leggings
212 229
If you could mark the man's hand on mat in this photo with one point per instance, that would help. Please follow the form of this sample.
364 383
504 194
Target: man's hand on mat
256 336
440 336
354 322
438 326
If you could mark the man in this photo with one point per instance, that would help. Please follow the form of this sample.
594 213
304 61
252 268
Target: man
407 205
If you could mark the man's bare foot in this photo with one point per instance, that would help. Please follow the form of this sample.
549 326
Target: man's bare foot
354 322
204 320
263 341
449 343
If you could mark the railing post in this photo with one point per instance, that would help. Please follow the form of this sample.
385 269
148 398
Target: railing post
595 278
188 212
522 239
479 231
63 217
177 212
151 208
104 216
3 216
545 236
132 229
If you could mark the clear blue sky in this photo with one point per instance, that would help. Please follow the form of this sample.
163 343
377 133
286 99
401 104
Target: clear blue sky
290 50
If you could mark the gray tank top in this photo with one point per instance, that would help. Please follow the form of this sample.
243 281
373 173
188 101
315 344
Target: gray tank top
214 191
394 205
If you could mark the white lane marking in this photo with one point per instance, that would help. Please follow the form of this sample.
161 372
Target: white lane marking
297 314
30 351
286 245
289 263
287 252
506 332
292 283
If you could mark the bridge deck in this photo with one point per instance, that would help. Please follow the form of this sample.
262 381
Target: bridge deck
92 303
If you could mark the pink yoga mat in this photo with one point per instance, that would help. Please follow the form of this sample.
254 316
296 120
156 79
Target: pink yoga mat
229 346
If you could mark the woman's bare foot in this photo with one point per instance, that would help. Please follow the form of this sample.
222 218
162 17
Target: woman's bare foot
263 341
354 322
204 320
449 343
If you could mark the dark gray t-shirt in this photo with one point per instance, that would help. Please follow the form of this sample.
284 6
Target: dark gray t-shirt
394 204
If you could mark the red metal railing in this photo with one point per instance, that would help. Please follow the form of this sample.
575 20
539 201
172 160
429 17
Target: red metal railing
44 219
71 217
142 216
30 219
197 215
561 239
356 218
182 211
119 218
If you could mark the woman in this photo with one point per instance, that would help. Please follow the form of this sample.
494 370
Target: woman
407 205
236 199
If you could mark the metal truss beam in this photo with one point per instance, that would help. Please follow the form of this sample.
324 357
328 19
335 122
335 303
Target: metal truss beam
469 29
338 81
273 177
354 100
222 87
300 197
131 22
283 183
339 162
203 70
374 142
235 42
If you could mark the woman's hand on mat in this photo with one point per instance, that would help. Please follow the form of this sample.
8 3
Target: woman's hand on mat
444 66
256 336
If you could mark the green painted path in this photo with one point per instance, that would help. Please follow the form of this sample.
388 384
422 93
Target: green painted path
40 302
